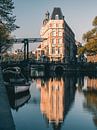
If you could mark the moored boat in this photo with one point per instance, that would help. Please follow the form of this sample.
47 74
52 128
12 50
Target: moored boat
13 76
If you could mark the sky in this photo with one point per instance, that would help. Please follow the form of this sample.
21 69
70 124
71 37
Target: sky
79 15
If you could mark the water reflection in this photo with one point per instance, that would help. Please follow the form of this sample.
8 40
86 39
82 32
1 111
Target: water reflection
92 83
85 83
56 103
18 96
56 98
90 103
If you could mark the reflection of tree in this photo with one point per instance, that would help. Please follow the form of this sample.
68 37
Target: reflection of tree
91 104
57 95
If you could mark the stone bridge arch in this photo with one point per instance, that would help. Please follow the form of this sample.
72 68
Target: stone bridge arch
59 68
53 67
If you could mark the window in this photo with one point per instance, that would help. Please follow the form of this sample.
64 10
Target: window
59 50
59 33
59 40
56 16
60 25
54 41
53 33
53 50
54 25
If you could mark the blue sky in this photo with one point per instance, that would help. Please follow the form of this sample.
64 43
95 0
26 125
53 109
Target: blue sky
30 13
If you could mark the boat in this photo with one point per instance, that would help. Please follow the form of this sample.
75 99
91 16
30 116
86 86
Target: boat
21 88
12 70
13 76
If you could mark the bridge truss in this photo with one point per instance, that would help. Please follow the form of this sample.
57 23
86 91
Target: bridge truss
26 42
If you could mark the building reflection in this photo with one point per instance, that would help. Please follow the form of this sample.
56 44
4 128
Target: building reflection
90 84
57 96
17 96
90 103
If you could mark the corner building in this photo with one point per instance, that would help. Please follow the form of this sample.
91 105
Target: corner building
60 43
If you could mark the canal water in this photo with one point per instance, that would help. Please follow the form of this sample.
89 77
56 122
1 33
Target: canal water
56 103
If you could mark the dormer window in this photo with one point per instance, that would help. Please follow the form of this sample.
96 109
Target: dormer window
56 16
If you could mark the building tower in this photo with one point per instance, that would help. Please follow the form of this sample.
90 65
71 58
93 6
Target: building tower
60 43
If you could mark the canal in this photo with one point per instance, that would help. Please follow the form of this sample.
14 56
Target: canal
56 103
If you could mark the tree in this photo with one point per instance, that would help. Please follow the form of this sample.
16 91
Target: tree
6 14
81 50
88 35
7 20
90 39
94 23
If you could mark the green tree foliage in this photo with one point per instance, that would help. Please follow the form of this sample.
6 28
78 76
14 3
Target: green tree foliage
7 20
88 35
90 39
4 34
91 47
6 14
81 50
94 23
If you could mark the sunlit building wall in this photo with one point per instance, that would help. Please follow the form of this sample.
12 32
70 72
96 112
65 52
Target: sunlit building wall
60 43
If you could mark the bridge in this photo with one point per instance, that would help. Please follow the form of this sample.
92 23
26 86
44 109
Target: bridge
55 66
52 66
49 66
26 42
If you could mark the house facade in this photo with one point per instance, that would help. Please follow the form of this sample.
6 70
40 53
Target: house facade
60 43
